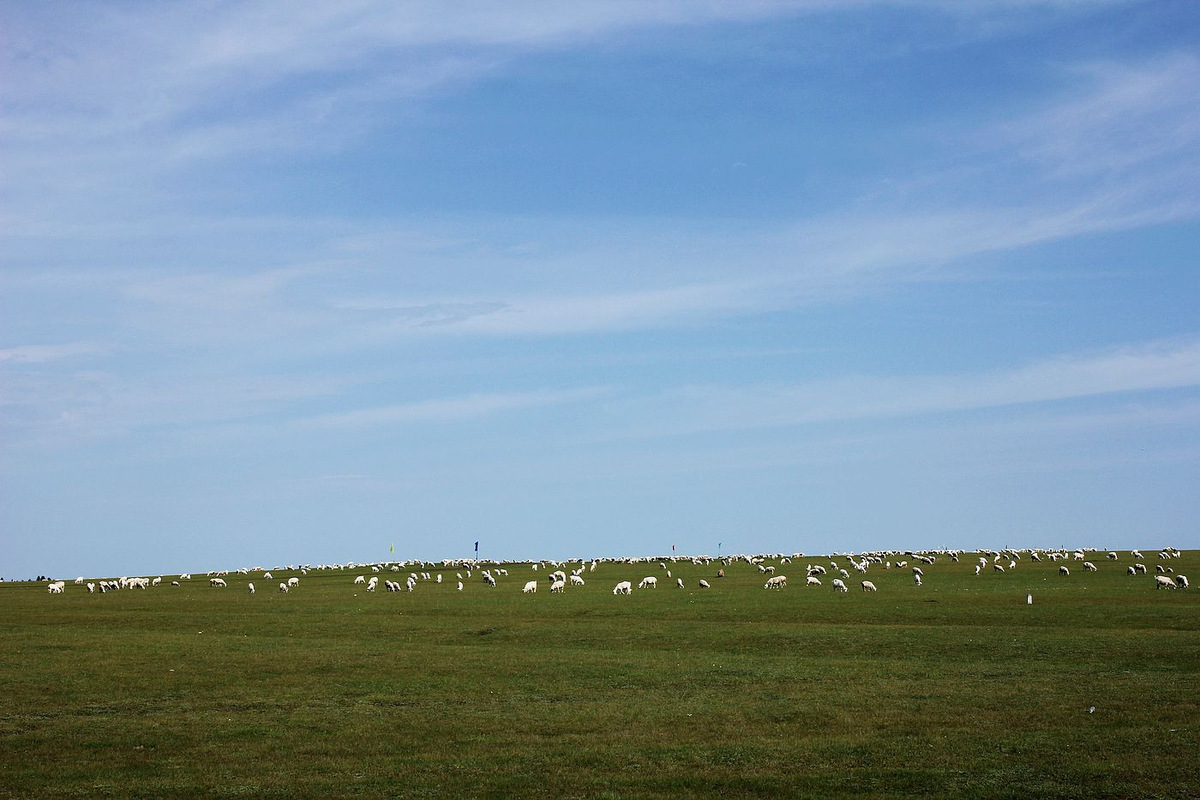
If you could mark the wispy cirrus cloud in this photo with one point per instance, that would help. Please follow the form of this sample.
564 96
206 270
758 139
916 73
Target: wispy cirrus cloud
1126 118
43 353
451 409
700 408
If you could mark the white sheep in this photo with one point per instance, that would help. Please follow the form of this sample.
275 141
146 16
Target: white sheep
460 586
91 587
1163 582
294 582
577 580
1062 570
359 579
917 571
776 582
283 587
216 582
624 587
1089 566
812 580
530 587
838 585
867 586
558 586
489 580
648 582
917 580
1182 581
251 588
679 582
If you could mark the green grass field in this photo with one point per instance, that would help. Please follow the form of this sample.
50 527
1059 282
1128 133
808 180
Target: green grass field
956 688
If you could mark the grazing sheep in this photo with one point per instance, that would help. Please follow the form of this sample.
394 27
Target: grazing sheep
283 587
489 580
703 584
812 580
1181 580
371 584
577 580
624 587
92 587
1089 566
1062 570
359 579
776 582
917 571
679 582
917 580
1163 582
558 586
648 582
294 582
530 587
216 582
252 588
173 583
867 586
998 567
838 585
460 586
56 587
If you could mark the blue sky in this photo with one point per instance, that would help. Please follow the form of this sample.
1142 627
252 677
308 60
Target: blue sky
285 285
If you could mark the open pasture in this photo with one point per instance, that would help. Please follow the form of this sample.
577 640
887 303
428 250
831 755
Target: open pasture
957 687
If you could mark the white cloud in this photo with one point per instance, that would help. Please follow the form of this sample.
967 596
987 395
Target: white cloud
1126 117
700 408
42 353
451 409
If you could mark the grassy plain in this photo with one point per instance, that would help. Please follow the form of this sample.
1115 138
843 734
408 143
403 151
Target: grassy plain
957 688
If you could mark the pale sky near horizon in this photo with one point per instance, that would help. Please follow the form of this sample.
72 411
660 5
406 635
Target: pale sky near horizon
295 284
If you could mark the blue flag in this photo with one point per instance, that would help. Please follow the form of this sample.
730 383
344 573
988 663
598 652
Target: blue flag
477 547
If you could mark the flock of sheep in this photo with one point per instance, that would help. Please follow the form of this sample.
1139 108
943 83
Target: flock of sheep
558 579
